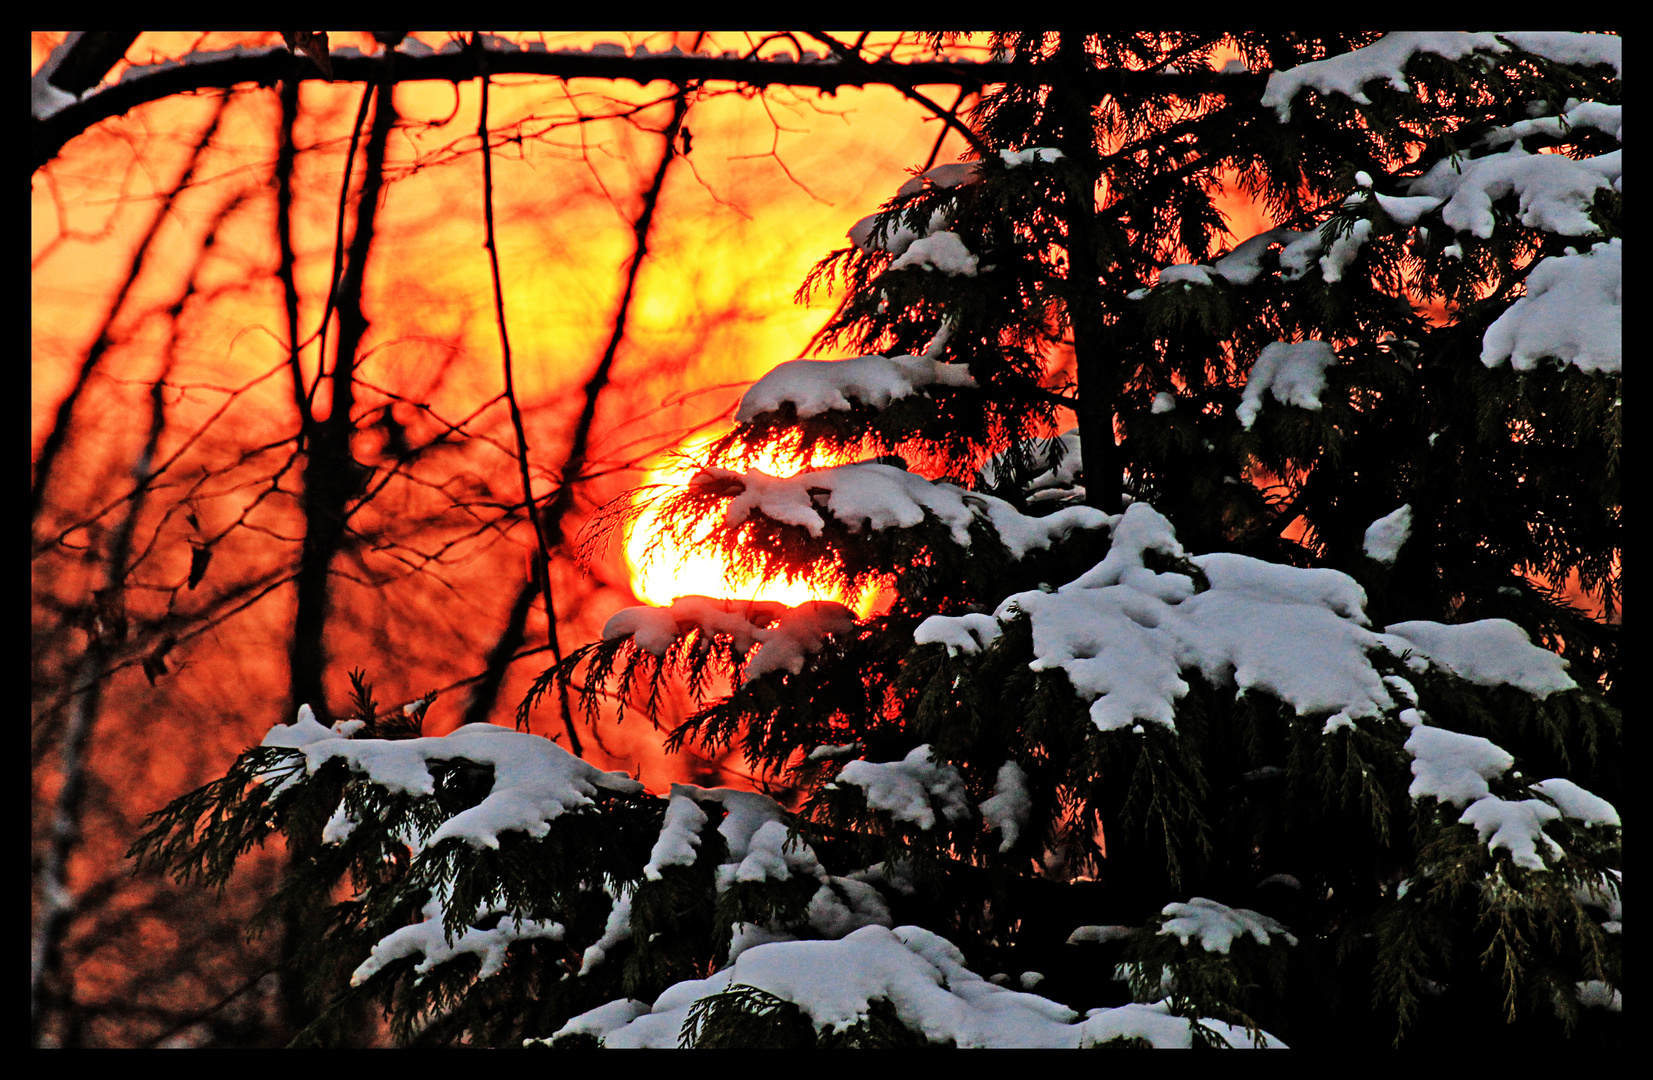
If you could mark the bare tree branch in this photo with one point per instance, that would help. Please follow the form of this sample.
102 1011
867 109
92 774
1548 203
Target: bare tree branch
275 64
542 551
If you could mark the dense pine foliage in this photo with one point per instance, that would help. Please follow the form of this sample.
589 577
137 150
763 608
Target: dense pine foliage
1237 715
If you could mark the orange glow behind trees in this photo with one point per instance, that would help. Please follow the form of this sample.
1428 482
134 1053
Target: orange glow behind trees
664 568
182 290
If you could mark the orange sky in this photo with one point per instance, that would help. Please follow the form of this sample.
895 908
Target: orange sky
770 187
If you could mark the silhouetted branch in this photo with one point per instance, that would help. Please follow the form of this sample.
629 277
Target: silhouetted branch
542 550
275 64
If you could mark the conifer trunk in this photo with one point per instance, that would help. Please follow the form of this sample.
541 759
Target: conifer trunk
1098 371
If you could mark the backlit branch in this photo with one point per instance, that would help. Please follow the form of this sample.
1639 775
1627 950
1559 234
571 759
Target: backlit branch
50 133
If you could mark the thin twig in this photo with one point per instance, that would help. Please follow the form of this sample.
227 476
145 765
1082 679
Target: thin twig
542 550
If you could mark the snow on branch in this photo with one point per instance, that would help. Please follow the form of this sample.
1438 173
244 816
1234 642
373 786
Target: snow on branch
873 497
1555 192
535 780
1215 926
920 974
1385 60
430 941
783 636
813 387
1294 373
1573 312
1123 633
905 788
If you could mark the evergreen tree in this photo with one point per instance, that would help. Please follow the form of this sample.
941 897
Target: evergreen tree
1076 785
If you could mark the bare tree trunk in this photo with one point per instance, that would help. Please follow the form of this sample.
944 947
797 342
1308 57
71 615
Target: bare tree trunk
331 476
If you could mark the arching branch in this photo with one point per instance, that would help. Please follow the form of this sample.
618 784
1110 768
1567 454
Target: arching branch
269 66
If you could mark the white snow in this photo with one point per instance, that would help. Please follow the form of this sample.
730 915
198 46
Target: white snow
1010 804
429 940
1186 274
920 974
44 98
944 251
1452 767
873 496
1032 155
1059 481
1099 934
616 930
535 780
1595 994
864 233
968 634
942 176
1516 826
1295 373
814 387
679 834
1555 192
1243 265
1215 926
1123 634
1346 73
1577 114
1388 534
1573 311
905 787
1567 47
1576 803
1343 251
1407 209
783 636
1490 652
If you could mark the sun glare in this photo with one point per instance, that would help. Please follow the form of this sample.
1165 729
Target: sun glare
697 568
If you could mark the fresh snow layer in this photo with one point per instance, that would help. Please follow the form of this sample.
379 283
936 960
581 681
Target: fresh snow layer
1451 767
1576 803
1573 311
1490 652
1010 804
1215 926
1454 769
1555 192
1123 634
1578 114
1099 934
944 251
1293 373
754 830
905 788
429 940
1243 265
1515 825
1384 59
535 780
814 387
1388 534
920 974
783 636
872 496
